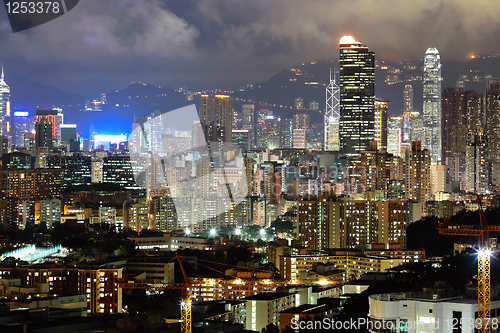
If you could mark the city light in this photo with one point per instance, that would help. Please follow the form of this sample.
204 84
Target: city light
212 232
262 232
484 253
187 232
323 282
237 231
110 138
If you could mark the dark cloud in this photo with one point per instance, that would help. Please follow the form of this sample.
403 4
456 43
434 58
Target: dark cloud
103 44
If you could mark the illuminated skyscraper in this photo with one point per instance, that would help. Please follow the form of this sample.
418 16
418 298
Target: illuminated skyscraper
21 126
53 118
223 116
205 110
453 124
332 116
357 95
432 104
417 172
248 122
5 118
381 123
407 115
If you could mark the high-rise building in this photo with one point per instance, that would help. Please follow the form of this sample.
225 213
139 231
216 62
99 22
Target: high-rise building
223 115
492 102
5 116
332 116
432 104
492 113
21 126
43 140
248 122
205 110
68 132
417 173
52 117
407 113
454 122
394 136
357 95
477 168
381 123
240 139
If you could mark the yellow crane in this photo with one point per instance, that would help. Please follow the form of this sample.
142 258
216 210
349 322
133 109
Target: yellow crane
483 263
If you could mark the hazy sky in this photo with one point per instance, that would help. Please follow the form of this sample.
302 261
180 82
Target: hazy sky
105 44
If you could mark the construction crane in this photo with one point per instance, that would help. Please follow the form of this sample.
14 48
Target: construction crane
186 293
187 287
483 263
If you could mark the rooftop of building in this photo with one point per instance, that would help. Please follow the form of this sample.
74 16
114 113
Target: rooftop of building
310 309
267 296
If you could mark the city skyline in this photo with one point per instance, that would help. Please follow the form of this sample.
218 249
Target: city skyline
200 45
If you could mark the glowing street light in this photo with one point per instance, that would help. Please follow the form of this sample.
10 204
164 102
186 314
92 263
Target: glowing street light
212 232
237 231
262 232
187 232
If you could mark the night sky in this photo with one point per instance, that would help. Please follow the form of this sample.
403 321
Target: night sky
105 44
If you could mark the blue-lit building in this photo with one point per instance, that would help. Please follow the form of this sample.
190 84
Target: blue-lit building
21 126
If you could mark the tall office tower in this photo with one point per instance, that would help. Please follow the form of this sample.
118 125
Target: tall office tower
5 116
408 99
156 130
299 103
21 126
52 117
286 133
92 134
68 133
332 116
140 135
357 95
272 125
453 123
394 136
407 113
381 123
432 104
60 118
223 116
43 141
417 173
43 134
261 138
417 127
248 122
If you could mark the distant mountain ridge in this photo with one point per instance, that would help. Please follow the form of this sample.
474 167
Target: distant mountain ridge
306 80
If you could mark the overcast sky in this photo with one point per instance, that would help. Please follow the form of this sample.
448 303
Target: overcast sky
105 44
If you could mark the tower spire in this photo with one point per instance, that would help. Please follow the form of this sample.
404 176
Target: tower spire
2 71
